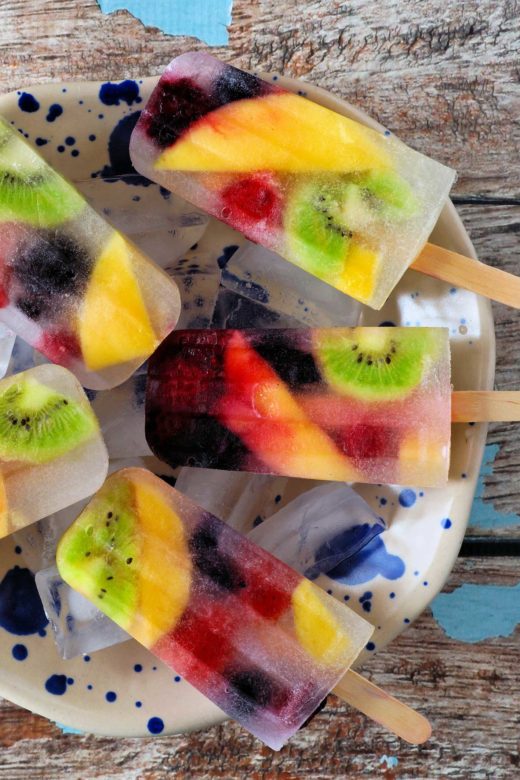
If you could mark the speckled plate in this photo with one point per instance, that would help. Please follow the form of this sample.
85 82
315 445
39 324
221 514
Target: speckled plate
83 130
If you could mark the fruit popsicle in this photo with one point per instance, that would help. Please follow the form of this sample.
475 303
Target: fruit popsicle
346 404
51 450
344 202
71 285
257 638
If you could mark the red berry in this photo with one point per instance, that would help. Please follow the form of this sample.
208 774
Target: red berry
251 200
61 348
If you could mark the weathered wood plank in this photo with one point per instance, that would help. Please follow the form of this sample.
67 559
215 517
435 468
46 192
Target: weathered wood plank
443 76
470 693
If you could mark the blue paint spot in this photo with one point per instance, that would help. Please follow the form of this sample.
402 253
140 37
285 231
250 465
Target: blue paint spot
89 687
70 140
41 141
390 761
86 658
425 583
68 729
366 601
446 523
392 595
125 92
111 696
483 513
406 620
20 652
138 704
75 153
54 112
383 501
346 598
365 565
277 499
345 545
61 149
138 668
370 646
92 137
227 254
70 680
28 103
21 610
18 549
176 678
407 498
257 521
56 684
476 612
155 725
120 165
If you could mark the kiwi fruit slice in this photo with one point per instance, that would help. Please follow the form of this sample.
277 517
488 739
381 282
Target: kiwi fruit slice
376 364
30 190
38 424
322 217
315 228
99 555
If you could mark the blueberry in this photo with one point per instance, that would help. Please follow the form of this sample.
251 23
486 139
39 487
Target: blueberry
210 561
234 84
250 689
174 106
294 366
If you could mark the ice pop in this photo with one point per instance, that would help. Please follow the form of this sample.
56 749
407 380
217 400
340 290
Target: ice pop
257 638
71 285
51 450
346 404
344 202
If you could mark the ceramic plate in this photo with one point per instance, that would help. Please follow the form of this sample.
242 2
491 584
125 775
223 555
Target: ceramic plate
83 130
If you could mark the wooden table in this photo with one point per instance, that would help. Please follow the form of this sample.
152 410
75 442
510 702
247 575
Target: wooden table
445 77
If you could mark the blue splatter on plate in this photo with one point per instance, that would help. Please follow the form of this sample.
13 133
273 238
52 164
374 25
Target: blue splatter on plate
83 130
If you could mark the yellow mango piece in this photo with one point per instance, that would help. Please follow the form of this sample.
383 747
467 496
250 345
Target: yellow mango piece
4 513
165 565
360 272
280 132
316 627
114 324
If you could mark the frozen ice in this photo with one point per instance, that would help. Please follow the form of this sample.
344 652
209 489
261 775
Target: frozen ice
77 625
278 287
236 497
7 339
197 275
319 529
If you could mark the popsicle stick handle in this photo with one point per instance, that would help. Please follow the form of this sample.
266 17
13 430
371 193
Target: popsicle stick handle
485 406
378 705
468 273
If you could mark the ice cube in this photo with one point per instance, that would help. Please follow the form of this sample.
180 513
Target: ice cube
77 625
319 529
7 339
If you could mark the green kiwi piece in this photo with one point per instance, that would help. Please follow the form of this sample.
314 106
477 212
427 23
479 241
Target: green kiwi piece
38 424
316 235
375 363
386 193
30 190
99 554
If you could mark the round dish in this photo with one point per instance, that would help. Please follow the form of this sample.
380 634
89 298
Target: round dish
83 130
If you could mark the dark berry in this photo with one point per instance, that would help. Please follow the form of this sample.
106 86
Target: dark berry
212 562
173 107
233 84
46 270
250 689
294 366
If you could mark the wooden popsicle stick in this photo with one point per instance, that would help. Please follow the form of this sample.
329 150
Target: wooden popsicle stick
485 406
468 273
380 706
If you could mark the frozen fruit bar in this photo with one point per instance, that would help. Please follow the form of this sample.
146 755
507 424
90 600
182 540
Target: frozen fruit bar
51 450
71 285
344 202
258 639
346 404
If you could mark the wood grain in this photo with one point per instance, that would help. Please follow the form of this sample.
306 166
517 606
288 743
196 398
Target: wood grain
469 692
444 76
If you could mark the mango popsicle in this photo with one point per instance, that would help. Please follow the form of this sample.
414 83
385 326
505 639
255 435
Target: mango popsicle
51 450
257 638
346 404
70 285
344 202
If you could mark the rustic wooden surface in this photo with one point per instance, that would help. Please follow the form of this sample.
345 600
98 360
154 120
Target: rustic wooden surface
445 76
